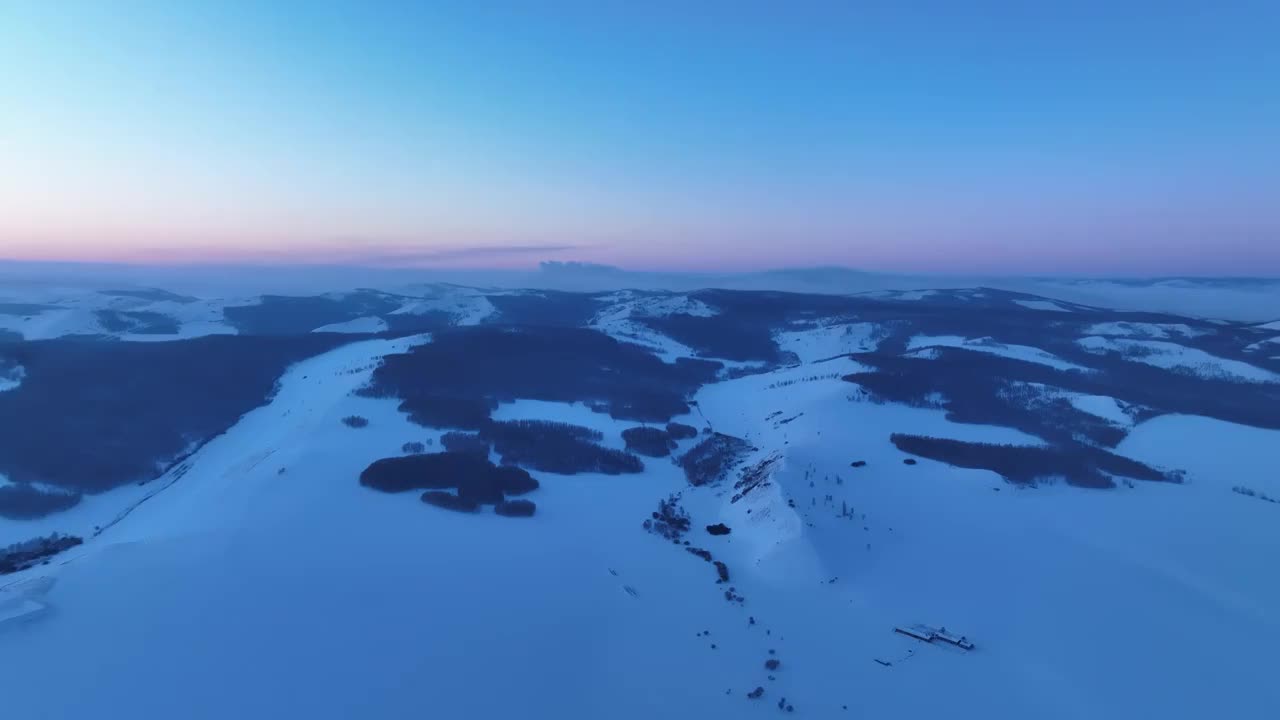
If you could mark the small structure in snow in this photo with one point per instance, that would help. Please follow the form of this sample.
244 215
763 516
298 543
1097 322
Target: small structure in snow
925 633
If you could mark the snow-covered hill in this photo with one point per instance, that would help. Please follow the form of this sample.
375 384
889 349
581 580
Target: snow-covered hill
259 578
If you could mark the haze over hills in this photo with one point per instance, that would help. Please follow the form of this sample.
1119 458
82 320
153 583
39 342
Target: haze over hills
1235 298
631 502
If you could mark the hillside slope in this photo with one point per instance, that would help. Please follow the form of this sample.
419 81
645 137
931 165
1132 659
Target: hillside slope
260 578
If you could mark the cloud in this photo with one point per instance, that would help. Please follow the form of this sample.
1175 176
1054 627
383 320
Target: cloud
575 267
402 254
350 251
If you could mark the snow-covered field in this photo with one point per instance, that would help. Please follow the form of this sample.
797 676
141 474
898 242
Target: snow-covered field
1154 331
78 313
1048 305
465 305
1083 604
1102 406
1173 356
828 341
987 345
11 378
259 579
359 325
622 320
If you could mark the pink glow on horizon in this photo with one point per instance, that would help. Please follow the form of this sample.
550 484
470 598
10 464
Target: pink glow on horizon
967 238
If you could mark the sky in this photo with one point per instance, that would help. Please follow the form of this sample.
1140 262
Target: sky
1136 137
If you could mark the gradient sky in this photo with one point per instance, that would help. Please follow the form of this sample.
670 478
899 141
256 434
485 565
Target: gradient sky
1128 137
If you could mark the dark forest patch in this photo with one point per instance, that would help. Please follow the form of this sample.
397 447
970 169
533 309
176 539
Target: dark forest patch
412 323
718 336
754 477
454 380
546 308
288 315
449 501
710 461
516 508
474 480
670 520
447 411
90 416
465 442
982 388
1081 465
746 321
557 447
139 323
23 502
23 555
680 431
650 441
24 309
150 294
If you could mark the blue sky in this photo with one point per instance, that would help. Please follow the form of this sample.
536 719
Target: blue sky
1136 137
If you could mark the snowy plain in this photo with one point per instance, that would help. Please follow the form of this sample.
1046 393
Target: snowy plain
263 581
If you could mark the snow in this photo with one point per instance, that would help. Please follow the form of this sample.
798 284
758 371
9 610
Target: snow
987 345
356 326
1173 356
308 392
1103 406
11 379
621 321
626 330
929 353
828 341
186 332
914 294
1212 452
465 306
740 407
80 520
75 313
1048 305
629 303
237 569
23 601
1154 331
1011 570
53 323
1205 298
1271 325
267 583
1262 344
